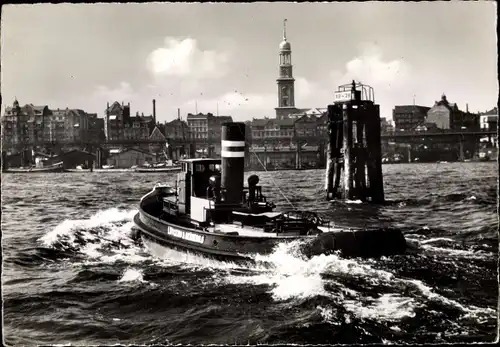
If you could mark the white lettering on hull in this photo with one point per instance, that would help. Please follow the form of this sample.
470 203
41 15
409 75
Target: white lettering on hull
185 235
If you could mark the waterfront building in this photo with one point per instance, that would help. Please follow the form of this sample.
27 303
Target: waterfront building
138 127
24 125
120 125
409 117
489 120
96 127
177 130
117 115
204 126
76 126
271 157
159 147
386 126
124 159
205 132
279 131
448 116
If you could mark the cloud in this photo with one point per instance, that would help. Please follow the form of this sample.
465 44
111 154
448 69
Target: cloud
392 80
183 58
369 68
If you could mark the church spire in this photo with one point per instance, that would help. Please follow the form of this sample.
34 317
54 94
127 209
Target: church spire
284 29
285 80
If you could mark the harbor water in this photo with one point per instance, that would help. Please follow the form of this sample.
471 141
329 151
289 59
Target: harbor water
71 273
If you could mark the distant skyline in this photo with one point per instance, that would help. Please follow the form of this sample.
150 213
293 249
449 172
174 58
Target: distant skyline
182 55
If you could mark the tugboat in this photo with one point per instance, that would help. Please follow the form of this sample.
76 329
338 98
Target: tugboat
210 211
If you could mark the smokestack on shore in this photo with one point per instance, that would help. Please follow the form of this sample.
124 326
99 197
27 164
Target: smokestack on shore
154 111
233 161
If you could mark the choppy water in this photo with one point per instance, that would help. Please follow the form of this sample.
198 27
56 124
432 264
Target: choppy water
71 274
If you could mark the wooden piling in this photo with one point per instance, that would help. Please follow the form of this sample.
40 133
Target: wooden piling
4 161
354 152
348 170
376 190
339 156
330 156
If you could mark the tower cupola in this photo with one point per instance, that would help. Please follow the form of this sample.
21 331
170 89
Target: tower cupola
285 80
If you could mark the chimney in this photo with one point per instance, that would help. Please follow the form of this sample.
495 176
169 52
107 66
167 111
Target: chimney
179 113
154 111
467 108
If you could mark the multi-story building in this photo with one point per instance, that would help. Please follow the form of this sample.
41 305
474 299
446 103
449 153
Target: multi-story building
14 126
386 126
198 126
56 127
177 130
119 125
205 132
409 117
96 127
116 117
446 115
24 125
276 131
489 119
138 127
76 124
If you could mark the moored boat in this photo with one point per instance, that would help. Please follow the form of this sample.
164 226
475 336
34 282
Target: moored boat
174 168
57 167
210 211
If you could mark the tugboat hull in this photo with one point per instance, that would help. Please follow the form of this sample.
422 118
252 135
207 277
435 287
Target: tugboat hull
209 243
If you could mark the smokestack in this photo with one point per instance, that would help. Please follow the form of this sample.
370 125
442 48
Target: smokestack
467 108
106 126
179 113
154 111
233 161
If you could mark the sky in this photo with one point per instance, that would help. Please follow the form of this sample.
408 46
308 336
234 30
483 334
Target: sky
197 56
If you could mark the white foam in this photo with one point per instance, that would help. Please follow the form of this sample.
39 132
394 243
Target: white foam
388 307
458 252
471 311
291 276
101 218
132 275
167 257
103 239
435 239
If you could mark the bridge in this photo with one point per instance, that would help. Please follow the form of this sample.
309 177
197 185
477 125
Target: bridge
444 134
435 136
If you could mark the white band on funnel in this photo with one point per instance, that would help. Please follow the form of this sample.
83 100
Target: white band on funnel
227 154
226 143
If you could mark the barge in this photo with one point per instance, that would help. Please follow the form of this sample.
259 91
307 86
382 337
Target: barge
210 211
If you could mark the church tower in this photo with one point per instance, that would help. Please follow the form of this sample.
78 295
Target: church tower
286 92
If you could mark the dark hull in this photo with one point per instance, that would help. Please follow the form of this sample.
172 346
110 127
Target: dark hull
37 170
218 246
163 169
178 233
